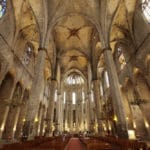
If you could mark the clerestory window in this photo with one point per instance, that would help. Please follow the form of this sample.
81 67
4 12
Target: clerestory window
121 58
146 9
2 7
28 53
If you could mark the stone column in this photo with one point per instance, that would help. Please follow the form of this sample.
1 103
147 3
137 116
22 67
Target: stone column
97 104
21 119
3 116
61 114
80 115
42 121
145 112
116 94
39 119
35 94
50 109
70 116
58 113
77 117
66 115
12 118
88 114
138 118
91 120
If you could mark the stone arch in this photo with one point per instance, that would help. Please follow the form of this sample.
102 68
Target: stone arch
6 89
129 117
143 90
94 22
13 113
72 70
17 94
137 113
22 113
6 86
147 66
142 86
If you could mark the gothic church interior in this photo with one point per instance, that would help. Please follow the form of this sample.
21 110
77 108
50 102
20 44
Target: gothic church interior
75 66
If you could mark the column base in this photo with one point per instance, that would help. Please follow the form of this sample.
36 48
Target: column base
49 132
28 130
122 132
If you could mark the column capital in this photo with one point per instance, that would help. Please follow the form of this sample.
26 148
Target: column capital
6 102
42 49
53 82
95 80
106 49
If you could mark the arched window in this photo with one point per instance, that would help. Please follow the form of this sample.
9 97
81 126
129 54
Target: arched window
121 58
74 98
28 53
2 7
64 97
74 79
106 79
146 9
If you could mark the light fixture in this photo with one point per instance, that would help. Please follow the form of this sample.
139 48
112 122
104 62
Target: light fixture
115 118
36 119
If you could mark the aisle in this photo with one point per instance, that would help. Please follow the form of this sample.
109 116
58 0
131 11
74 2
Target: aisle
74 144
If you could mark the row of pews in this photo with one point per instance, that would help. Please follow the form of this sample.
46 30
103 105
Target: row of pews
40 143
89 143
96 144
112 143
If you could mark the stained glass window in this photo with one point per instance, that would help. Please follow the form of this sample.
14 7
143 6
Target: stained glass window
74 98
28 53
2 7
74 79
146 9
107 79
121 58
64 97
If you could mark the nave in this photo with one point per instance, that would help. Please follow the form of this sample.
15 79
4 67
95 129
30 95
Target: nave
77 142
74 67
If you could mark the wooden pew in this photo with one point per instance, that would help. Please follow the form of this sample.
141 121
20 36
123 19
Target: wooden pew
49 143
94 144
27 145
58 144
125 144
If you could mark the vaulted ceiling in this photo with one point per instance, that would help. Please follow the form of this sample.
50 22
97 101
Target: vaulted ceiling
67 29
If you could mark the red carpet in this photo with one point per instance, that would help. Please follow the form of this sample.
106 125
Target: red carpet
74 144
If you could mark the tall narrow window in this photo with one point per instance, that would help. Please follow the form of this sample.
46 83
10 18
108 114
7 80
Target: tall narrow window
101 89
146 9
55 99
64 97
92 96
83 96
2 7
107 79
74 98
28 53
74 117
121 58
